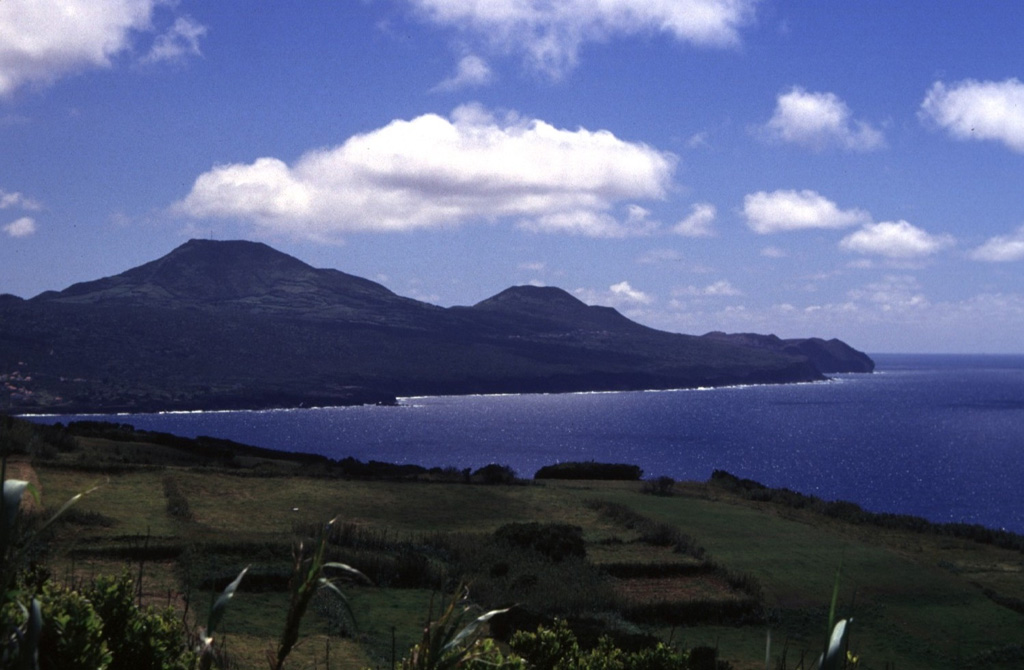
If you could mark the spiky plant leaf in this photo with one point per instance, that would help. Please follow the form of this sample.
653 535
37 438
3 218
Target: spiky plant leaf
13 490
471 628
221 604
834 655
348 570
349 612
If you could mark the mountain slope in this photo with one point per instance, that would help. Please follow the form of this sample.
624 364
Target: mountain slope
238 324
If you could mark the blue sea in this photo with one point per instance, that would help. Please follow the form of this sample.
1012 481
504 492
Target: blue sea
940 437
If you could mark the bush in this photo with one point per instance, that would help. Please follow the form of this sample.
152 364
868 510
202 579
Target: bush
72 635
558 647
662 486
554 541
590 470
495 474
138 639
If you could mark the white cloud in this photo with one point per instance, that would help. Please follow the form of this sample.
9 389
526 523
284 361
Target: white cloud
978 110
621 295
22 227
17 200
819 120
623 292
698 222
796 210
656 256
43 40
1001 248
774 252
721 288
895 239
892 293
181 40
551 34
471 71
432 172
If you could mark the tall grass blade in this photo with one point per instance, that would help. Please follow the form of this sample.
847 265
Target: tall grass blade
349 571
471 628
834 655
349 612
13 490
832 607
220 606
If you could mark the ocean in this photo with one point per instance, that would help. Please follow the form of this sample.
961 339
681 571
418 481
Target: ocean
940 437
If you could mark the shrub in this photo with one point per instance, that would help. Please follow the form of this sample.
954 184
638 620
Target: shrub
662 486
72 633
555 541
177 503
494 474
138 639
590 470
558 647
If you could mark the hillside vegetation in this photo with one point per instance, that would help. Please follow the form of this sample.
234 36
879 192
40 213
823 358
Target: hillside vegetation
699 565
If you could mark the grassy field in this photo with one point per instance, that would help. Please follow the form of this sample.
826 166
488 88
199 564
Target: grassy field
699 567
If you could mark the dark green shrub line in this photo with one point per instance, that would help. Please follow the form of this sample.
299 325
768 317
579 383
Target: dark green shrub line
78 517
1009 602
853 513
741 612
665 535
554 541
590 470
410 568
657 570
131 553
651 532
177 504
104 468
662 486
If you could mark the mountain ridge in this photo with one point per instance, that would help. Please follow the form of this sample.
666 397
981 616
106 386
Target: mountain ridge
237 324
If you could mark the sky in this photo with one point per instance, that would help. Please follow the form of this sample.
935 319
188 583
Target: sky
830 169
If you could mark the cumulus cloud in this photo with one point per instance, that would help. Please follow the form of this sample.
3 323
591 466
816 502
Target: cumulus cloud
17 200
892 293
471 71
43 40
1001 248
434 171
22 227
773 252
180 41
787 210
895 239
819 120
550 34
621 296
721 288
978 110
656 256
698 222
624 293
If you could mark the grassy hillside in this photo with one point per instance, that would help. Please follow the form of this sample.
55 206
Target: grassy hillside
700 564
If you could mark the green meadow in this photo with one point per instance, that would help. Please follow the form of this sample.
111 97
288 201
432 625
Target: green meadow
692 564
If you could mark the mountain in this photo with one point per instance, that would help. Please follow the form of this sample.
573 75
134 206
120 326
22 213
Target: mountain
829 356
240 325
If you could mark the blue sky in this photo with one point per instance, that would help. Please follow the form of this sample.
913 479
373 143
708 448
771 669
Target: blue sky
837 169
